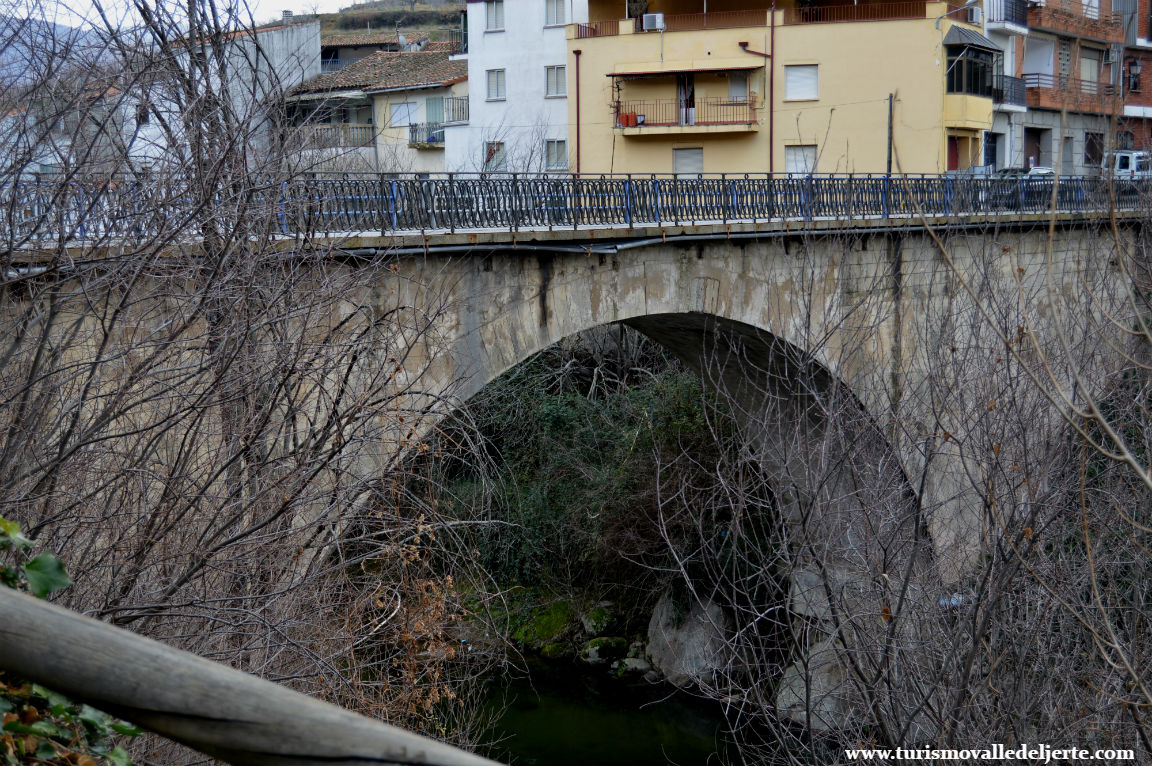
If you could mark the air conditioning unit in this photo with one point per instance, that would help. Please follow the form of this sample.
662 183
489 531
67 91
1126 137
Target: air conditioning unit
653 22
976 15
1109 56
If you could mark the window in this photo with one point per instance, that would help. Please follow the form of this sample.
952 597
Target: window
556 83
738 86
494 15
402 114
1094 149
800 159
495 84
688 161
553 13
801 83
142 113
970 70
556 155
495 159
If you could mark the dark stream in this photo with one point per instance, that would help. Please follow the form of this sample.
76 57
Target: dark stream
575 715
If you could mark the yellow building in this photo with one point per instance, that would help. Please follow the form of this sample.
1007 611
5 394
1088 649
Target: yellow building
718 86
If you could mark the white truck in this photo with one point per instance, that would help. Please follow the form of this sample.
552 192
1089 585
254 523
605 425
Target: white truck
1123 164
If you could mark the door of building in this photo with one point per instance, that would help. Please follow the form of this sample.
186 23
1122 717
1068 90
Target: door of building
686 95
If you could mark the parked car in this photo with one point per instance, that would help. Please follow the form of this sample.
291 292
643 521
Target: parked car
1021 188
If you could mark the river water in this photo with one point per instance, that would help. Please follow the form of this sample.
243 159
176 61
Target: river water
575 715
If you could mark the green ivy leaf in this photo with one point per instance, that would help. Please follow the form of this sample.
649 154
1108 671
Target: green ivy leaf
119 756
10 535
45 751
5 705
39 728
128 730
45 574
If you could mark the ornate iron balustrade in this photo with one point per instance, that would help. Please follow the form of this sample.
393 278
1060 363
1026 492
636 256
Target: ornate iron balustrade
39 212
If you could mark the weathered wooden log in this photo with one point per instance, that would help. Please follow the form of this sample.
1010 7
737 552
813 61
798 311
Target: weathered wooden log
229 715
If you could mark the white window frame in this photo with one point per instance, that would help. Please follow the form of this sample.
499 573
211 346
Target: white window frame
401 110
807 155
554 13
494 15
555 81
495 156
801 82
692 155
497 85
556 154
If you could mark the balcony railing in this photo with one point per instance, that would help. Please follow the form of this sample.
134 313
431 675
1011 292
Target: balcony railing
673 112
1048 91
826 14
1007 12
426 134
608 28
1008 90
687 22
1073 18
337 135
333 65
456 109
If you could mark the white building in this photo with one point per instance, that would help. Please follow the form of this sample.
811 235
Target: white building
518 87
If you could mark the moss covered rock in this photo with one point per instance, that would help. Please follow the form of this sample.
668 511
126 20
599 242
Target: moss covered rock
544 625
605 649
597 620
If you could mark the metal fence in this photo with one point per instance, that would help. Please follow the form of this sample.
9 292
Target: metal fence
459 202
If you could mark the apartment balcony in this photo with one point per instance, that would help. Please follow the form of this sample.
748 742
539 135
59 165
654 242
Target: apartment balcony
822 14
1073 19
673 117
426 135
455 110
332 136
678 22
1000 14
831 14
1009 91
1046 91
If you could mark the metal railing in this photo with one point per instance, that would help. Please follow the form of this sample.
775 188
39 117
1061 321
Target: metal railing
825 14
689 22
1008 90
232 716
608 28
36 212
1007 11
712 110
455 109
424 133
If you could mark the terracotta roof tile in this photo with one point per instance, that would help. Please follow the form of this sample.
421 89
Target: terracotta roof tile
384 70
353 39
443 46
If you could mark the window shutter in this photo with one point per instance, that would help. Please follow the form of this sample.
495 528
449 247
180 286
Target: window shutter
801 82
688 161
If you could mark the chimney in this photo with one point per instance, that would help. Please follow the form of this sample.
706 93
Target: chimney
401 40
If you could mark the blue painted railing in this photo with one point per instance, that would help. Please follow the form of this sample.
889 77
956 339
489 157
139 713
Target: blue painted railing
46 211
